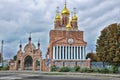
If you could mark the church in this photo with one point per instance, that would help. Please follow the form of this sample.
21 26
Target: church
66 46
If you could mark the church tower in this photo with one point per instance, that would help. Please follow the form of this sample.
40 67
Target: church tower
65 15
57 21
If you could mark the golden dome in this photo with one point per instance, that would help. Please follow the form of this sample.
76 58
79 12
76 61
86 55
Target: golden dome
68 26
65 11
74 17
57 16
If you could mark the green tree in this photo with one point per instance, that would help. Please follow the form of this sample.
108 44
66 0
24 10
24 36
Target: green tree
108 45
93 57
15 57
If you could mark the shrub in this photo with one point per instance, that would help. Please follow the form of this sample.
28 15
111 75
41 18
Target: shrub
104 70
95 69
4 68
113 69
64 69
83 70
119 70
76 68
53 68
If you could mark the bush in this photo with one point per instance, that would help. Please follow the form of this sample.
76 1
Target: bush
53 68
76 68
4 68
119 70
104 70
95 69
113 69
64 69
83 70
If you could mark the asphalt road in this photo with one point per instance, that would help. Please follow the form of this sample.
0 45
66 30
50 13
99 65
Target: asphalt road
38 76
41 77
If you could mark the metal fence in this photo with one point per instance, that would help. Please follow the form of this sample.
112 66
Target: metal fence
99 65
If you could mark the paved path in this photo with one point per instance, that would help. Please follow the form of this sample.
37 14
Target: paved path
30 75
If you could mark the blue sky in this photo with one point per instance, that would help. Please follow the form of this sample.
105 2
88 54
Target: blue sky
19 17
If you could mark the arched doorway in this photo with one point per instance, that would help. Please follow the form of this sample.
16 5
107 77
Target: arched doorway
18 65
37 64
28 62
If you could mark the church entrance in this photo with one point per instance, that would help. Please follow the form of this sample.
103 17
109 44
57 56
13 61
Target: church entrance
37 65
18 65
28 63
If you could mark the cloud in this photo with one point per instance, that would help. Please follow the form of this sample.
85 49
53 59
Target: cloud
19 17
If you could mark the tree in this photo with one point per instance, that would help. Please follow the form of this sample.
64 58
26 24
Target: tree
108 45
92 56
15 57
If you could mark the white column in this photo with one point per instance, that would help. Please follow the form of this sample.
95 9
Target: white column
53 52
77 53
56 52
60 52
83 52
74 53
66 53
80 52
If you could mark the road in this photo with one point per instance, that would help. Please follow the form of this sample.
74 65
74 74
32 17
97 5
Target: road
39 76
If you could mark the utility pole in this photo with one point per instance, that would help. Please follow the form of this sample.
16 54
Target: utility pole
2 42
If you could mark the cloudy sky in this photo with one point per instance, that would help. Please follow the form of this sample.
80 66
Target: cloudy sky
19 17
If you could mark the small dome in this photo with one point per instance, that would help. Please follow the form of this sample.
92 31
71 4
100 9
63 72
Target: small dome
57 16
65 11
68 26
74 17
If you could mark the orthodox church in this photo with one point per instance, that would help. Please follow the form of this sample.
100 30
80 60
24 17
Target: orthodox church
66 45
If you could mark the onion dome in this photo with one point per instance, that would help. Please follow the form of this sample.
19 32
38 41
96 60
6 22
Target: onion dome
57 15
68 26
65 10
74 17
